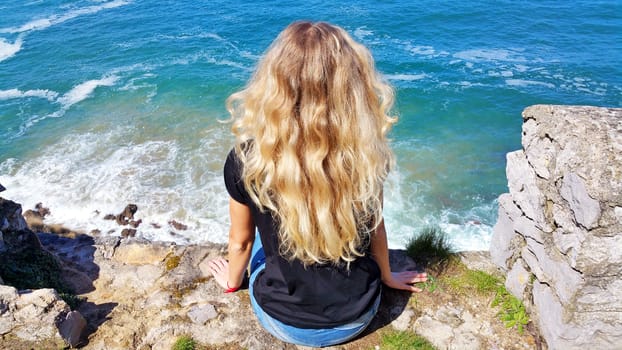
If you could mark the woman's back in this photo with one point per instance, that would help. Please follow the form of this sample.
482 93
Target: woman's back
316 113
308 296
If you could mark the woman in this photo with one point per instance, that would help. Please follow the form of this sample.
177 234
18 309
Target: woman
306 174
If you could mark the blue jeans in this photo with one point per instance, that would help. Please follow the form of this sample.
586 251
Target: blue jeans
302 336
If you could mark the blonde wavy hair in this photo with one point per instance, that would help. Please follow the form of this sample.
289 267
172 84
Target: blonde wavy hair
311 129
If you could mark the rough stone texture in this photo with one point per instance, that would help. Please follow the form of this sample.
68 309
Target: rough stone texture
146 305
32 315
452 328
478 260
518 278
559 232
502 246
202 314
402 322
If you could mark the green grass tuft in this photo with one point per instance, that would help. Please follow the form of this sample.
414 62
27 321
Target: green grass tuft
482 282
184 342
431 246
398 340
473 281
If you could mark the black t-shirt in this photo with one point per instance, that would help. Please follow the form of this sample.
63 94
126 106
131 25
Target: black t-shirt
318 296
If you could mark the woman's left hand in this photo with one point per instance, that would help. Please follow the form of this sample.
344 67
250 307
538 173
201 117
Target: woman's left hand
404 280
219 268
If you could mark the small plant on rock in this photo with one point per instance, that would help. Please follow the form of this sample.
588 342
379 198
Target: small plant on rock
431 284
184 342
513 313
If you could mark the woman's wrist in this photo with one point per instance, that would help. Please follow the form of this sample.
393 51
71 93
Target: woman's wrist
231 289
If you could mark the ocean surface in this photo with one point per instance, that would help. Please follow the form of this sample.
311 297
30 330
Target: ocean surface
105 103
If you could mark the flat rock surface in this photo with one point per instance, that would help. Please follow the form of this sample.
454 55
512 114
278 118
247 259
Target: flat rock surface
144 295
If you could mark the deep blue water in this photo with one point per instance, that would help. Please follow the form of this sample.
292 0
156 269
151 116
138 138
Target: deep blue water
104 103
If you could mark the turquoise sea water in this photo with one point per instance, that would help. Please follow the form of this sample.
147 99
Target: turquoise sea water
104 103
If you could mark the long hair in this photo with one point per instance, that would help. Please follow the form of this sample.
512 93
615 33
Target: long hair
311 129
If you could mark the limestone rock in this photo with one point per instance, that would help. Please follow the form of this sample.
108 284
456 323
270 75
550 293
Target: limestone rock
402 322
604 257
141 252
523 187
567 186
528 229
437 332
450 328
32 315
201 314
586 210
517 279
479 260
501 248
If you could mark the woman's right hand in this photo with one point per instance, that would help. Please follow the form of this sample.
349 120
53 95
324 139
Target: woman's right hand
219 268
404 280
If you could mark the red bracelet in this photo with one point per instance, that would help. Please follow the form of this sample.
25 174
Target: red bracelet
229 289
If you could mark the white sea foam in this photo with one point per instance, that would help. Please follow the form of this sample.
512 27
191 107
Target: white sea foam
477 55
468 84
77 94
423 50
361 33
43 23
523 83
468 236
82 178
502 73
8 50
136 83
406 77
16 93
83 90
250 55
205 56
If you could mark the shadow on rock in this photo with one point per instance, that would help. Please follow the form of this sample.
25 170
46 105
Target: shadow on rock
393 302
79 271
96 315
77 254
